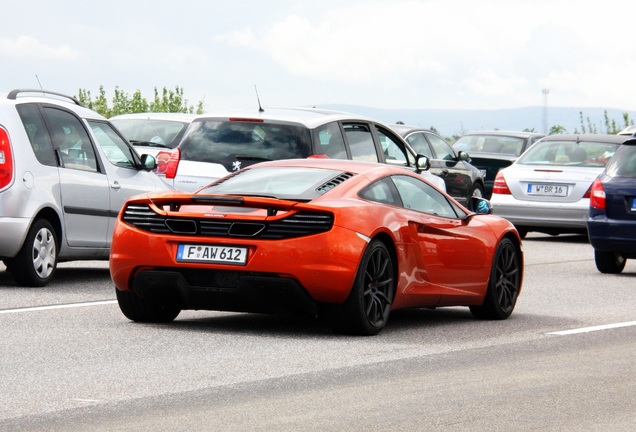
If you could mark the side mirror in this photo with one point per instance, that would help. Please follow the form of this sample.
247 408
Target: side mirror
463 156
480 205
422 163
148 162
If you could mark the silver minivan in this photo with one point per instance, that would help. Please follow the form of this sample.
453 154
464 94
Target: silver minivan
65 173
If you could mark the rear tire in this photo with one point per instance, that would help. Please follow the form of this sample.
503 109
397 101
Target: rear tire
35 263
366 310
504 284
609 262
139 310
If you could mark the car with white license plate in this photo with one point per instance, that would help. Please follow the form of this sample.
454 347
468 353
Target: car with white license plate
548 188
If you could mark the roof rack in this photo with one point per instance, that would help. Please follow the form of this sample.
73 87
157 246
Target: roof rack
13 94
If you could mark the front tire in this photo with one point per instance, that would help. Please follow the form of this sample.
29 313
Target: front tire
366 310
35 263
478 191
137 309
504 284
609 262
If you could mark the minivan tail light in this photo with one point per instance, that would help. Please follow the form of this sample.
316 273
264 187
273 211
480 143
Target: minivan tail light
500 186
6 159
173 163
597 195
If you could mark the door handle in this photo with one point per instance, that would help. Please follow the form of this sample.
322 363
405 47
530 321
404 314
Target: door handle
115 185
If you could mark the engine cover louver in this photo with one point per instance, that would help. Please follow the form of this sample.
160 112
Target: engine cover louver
300 224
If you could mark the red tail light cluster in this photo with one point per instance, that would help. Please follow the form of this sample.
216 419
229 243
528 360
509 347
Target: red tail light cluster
168 162
597 195
6 159
500 186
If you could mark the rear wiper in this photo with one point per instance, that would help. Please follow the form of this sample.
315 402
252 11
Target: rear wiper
147 144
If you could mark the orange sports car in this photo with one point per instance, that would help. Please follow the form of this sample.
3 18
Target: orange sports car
346 240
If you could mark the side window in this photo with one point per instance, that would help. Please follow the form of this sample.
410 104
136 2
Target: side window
417 195
360 142
394 151
71 140
330 141
382 191
441 148
419 144
38 135
114 147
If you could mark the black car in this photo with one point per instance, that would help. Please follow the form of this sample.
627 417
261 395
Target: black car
611 224
491 151
462 179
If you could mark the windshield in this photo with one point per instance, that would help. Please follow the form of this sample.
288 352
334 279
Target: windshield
490 144
249 141
162 133
567 153
277 182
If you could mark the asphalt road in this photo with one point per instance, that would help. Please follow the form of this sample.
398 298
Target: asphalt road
564 361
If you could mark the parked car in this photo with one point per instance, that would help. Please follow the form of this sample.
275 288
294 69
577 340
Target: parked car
462 179
151 132
548 188
65 173
491 151
347 240
629 130
611 224
223 142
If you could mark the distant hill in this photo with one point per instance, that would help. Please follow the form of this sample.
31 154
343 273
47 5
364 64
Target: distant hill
449 122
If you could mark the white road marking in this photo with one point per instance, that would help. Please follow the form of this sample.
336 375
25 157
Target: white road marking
594 328
62 306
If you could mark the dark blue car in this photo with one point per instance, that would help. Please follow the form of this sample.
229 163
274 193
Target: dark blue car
611 222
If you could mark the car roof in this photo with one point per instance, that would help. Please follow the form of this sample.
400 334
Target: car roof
308 117
405 129
182 117
603 138
517 134
20 96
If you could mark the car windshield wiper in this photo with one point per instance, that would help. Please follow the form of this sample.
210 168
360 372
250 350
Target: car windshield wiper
147 144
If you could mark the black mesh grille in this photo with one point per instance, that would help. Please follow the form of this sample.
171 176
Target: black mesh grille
296 225
334 182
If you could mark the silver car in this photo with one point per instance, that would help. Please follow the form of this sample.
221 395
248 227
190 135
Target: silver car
220 143
548 188
65 173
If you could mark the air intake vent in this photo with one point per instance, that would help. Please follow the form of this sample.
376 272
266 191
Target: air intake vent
297 225
327 186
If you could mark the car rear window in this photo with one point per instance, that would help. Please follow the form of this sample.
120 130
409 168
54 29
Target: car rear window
567 153
249 141
624 164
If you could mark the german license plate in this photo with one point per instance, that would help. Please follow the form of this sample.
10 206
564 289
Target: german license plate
212 254
482 172
548 190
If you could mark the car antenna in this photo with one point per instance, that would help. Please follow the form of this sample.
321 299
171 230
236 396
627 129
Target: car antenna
39 83
260 108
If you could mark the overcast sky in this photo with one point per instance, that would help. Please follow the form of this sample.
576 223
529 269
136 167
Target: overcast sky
468 54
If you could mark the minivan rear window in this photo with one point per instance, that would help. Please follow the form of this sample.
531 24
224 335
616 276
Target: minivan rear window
225 142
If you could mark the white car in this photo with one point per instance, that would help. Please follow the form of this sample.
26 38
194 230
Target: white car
152 132
220 143
548 188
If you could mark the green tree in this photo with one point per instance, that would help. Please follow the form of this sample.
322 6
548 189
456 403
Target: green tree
557 129
122 103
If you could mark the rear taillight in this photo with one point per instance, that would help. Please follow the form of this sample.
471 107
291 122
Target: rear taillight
597 195
318 156
6 159
162 162
500 186
173 163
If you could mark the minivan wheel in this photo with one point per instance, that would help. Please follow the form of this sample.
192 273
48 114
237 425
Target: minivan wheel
35 264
